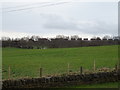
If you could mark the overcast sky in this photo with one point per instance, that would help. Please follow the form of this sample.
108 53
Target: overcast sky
86 19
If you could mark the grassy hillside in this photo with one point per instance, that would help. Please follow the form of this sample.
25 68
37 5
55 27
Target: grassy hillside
26 62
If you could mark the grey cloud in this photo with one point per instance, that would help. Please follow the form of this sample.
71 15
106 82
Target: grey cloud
99 27
89 27
58 22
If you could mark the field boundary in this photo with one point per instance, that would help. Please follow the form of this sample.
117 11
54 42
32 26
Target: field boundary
63 81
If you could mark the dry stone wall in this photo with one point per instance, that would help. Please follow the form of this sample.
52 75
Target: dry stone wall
63 81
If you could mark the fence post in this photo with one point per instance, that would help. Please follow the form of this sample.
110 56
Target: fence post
81 70
116 67
40 72
94 67
68 68
9 72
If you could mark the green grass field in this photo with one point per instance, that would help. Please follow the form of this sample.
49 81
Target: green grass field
102 85
26 62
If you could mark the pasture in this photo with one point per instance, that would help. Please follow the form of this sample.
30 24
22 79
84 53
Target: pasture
26 62
101 85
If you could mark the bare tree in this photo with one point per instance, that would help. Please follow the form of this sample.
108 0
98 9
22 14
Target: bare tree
75 37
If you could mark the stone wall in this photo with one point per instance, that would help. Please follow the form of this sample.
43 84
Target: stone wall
62 81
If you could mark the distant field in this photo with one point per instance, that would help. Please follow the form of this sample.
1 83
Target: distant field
26 62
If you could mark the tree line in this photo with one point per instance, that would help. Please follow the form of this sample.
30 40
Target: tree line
60 41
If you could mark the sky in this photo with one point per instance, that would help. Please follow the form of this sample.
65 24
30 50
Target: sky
48 19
